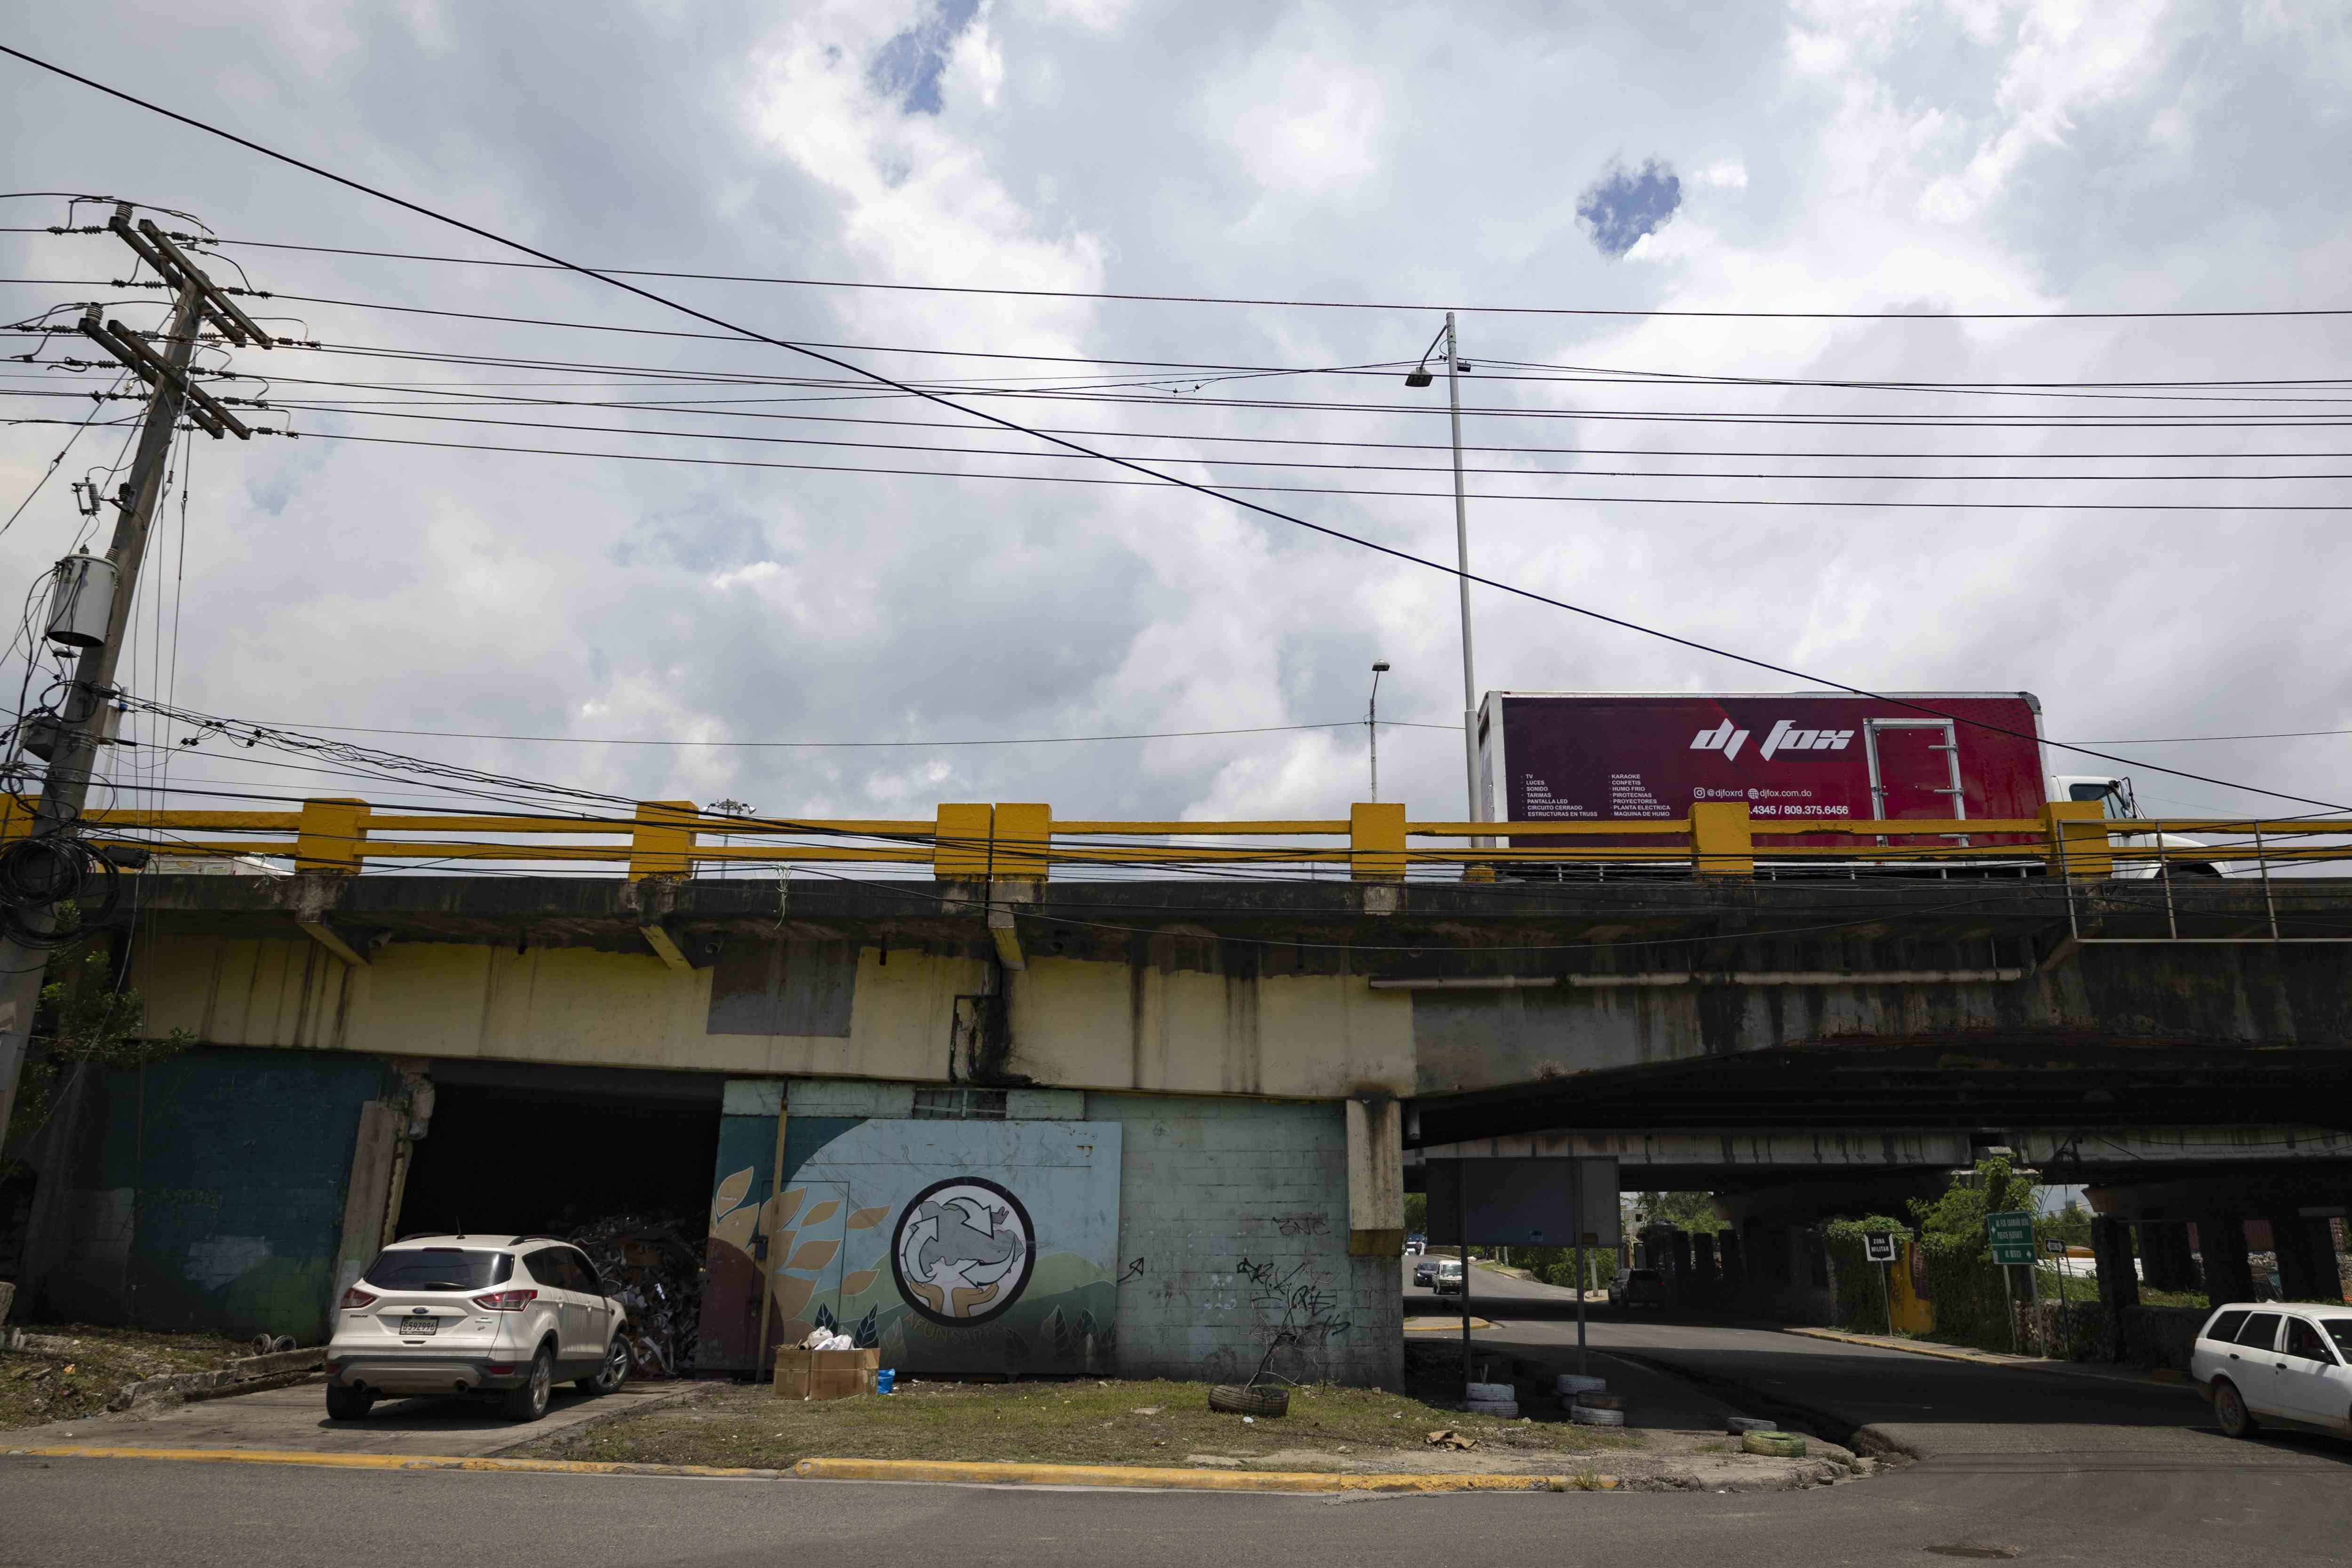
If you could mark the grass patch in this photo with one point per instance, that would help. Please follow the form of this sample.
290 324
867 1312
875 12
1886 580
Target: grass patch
1087 1422
71 1382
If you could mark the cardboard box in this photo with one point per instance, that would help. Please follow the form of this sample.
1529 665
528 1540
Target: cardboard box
826 1374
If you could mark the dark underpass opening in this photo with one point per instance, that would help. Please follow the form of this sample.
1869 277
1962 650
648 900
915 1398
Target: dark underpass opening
550 1150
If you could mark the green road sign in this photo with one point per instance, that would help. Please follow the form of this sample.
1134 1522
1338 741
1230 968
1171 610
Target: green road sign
2011 1234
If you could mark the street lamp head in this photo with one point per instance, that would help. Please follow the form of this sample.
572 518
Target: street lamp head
1418 376
1381 667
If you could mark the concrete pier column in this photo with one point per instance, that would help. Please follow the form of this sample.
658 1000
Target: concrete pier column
2167 1261
1680 1244
2221 1247
1704 1273
2111 1249
1730 1259
2306 1258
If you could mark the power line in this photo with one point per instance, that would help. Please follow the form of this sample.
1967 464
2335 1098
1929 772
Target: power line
850 745
1424 308
1176 480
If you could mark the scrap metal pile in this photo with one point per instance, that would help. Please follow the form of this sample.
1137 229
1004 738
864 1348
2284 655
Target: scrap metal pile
655 1271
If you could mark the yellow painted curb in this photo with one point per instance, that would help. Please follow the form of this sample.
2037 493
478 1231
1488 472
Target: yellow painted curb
1442 1325
1941 1352
389 1461
1184 1480
1169 1479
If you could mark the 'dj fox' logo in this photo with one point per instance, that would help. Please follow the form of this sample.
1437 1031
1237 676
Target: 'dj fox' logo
1785 737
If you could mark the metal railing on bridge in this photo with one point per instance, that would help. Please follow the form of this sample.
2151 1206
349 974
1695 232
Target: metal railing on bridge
1375 842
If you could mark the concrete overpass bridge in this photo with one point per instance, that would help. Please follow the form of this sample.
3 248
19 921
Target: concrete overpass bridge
1215 1086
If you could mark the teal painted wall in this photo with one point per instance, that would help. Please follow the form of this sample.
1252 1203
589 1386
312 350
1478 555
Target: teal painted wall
207 1191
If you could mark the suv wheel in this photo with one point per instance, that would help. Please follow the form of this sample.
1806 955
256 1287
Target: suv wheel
529 1403
2229 1409
347 1404
616 1370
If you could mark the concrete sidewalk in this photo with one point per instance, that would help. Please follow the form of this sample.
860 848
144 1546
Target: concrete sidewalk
1974 1357
296 1418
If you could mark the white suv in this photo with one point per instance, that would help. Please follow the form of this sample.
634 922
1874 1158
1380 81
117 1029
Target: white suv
456 1314
2287 1361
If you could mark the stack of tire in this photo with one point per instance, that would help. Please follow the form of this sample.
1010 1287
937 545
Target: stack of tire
1757 1435
1493 1399
1589 1403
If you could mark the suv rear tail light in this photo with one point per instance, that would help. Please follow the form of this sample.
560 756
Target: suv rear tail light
355 1298
506 1300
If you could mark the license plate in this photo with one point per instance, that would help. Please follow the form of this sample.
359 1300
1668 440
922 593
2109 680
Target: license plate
418 1326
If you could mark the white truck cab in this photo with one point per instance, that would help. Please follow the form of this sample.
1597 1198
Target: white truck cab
2115 796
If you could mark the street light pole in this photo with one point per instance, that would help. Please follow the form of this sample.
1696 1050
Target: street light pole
1372 725
1462 555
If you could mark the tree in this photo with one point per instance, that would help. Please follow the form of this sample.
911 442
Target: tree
1416 1213
85 1018
1694 1212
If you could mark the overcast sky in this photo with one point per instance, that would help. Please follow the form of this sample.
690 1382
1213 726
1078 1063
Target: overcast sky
1910 158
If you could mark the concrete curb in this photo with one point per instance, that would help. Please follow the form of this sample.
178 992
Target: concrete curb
613 1408
1977 1358
1164 1480
1170 1479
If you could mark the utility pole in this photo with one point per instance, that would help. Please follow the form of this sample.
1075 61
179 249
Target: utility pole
73 758
1372 725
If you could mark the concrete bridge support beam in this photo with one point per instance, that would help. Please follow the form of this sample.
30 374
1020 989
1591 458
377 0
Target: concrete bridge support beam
1730 1259
2305 1247
2111 1249
1705 1275
2166 1260
2221 1248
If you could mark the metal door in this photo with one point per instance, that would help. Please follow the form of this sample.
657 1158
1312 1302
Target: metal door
1915 771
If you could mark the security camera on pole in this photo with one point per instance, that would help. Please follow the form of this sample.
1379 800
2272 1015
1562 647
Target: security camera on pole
82 580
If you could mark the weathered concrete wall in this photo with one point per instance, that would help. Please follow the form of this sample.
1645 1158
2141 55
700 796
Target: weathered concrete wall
1231 1214
1075 1024
207 1192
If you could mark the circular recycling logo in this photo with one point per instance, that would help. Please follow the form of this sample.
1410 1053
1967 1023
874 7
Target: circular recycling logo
963 1251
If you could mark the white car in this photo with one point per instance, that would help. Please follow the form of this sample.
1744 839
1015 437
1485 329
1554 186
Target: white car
456 1314
1447 1278
2282 1361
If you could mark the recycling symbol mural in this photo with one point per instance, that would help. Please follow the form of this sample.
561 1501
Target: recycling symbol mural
963 1251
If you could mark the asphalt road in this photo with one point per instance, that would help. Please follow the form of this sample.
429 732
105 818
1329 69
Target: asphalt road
2059 1470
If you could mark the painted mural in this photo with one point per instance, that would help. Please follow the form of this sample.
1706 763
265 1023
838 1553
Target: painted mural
956 1248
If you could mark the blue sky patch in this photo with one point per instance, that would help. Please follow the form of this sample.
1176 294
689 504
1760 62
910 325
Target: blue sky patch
1622 208
908 66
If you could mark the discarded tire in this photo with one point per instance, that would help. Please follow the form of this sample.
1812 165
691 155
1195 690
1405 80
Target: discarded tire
1738 1424
1569 1383
1597 1400
1595 1416
1773 1445
1235 1400
1508 1409
1492 1392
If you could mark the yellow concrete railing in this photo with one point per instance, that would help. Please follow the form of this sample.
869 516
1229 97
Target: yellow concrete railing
971 841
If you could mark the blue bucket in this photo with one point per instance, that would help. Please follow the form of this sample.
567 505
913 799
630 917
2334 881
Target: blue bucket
886 1380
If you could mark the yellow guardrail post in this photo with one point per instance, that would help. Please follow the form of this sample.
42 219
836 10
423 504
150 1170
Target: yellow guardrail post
1376 841
1025 841
2079 843
961 841
329 837
1722 839
662 842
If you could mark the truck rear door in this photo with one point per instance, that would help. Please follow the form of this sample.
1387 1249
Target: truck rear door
1915 771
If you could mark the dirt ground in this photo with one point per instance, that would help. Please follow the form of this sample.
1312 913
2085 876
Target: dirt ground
77 1369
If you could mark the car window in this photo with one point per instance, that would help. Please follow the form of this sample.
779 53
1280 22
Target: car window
2225 1326
438 1268
2261 1330
550 1266
2303 1339
584 1276
2340 1331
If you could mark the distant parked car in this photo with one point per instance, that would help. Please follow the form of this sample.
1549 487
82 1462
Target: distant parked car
454 1314
1449 1277
1637 1287
2258 1361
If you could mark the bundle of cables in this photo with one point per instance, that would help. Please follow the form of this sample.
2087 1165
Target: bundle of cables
49 886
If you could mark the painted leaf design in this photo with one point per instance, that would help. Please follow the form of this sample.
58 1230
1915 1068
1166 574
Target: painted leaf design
731 1192
867 1220
791 1295
813 1254
819 1214
859 1283
790 1204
